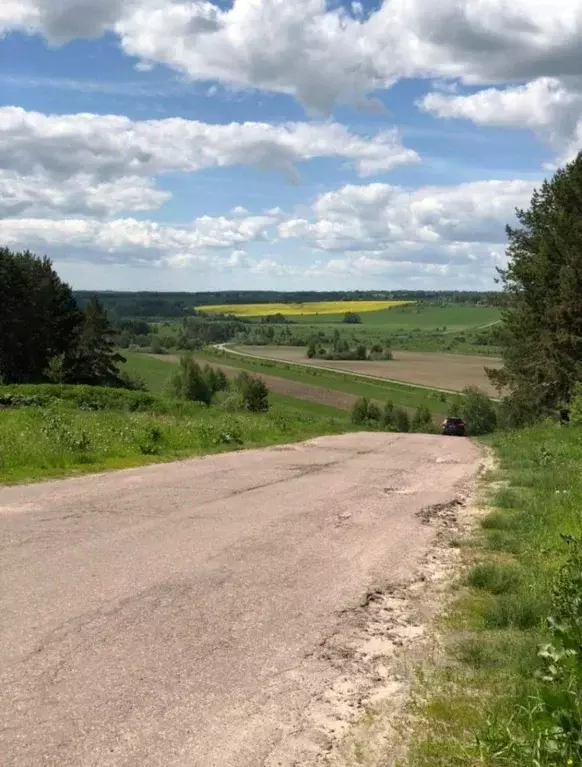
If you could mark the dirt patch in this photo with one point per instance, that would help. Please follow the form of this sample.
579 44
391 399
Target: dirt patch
443 371
361 719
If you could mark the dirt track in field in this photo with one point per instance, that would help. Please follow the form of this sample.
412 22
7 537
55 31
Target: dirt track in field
443 371
318 394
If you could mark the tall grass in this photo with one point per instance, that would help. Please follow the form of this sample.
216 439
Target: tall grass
510 691
64 434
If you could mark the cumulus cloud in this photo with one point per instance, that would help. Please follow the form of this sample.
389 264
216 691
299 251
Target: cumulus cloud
129 240
324 56
113 145
100 161
39 194
430 225
546 106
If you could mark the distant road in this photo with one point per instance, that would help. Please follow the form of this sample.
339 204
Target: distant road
172 616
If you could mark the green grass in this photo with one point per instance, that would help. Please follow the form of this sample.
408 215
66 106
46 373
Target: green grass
152 371
486 704
66 433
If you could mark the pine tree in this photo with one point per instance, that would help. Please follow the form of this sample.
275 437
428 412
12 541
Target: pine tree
39 317
542 322
96 361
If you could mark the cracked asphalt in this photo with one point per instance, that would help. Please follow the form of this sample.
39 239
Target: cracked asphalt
172 615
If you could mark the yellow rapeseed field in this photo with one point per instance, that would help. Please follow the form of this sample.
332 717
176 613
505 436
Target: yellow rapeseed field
312 307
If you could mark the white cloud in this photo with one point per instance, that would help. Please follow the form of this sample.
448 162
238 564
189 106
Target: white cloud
324 57
238 258
80 194
99 161
545 105
432 236
425 223
113 145
129 240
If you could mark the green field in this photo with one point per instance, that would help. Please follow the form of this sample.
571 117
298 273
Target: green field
156 370
415 317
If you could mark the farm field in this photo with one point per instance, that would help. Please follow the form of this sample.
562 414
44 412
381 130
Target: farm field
392 316
443 371
310 309
321 392
287 388
413 316
402 394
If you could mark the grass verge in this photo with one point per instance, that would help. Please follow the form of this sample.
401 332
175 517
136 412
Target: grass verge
509 690
74 430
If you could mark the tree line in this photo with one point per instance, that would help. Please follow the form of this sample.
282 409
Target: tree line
153 305
44 335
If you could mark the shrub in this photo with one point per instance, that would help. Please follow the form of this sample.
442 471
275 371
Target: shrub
479 412
254 392
365 413
374 413
234 402
216 379
361 353
151 441
401 420
188 382
388 415
422 419
156 346
360 411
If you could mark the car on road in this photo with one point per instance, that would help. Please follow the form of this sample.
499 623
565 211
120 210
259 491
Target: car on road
454 427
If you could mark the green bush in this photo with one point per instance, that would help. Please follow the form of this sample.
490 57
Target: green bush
254 392
234 402
388 415
478 410
374 413
215 378
366 413
401 420
189 382
422 419
360 411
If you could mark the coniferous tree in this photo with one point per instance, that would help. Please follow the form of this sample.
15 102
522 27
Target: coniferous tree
542 321
96 361
39 317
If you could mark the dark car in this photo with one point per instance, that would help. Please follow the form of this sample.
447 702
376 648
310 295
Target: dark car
454 427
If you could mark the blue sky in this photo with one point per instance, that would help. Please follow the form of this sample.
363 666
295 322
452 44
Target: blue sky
267 144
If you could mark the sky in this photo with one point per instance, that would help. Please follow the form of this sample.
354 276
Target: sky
281 144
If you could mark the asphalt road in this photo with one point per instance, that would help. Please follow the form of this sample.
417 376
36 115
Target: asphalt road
171 615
